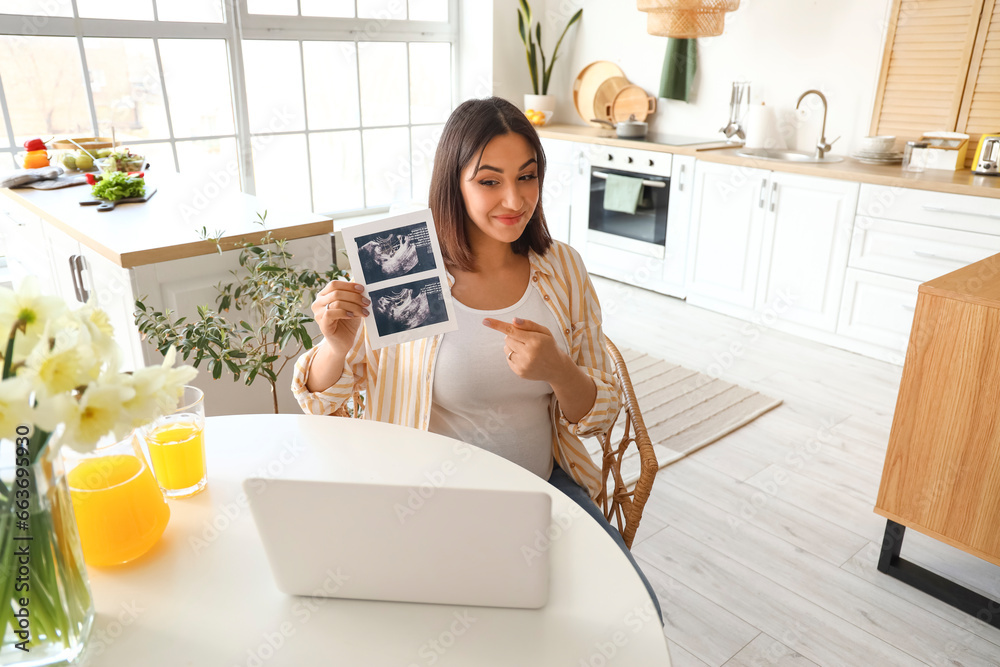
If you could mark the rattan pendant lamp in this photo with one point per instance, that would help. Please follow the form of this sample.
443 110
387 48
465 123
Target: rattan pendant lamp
686 19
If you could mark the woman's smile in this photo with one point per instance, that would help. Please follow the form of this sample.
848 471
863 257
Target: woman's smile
509 218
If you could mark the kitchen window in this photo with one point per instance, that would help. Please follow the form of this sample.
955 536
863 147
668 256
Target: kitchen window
337 103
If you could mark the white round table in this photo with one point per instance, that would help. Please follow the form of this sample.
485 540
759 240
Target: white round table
204 594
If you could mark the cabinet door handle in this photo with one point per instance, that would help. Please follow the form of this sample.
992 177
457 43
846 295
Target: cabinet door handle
81 264
680 180
942 209
932 255
73 276
774 195
763 188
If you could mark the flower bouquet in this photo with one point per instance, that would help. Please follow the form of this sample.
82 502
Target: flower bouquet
60 376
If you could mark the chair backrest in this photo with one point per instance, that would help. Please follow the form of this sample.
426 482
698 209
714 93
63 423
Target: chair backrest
617 502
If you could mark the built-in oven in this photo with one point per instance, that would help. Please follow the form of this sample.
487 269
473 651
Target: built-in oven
645 248
643 232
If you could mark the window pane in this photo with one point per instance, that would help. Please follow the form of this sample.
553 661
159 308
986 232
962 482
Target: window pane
209 11
425 141
159 156
428 10
382 9
274 85
331 85
37 7
4 141
283 7
196 72
125 82
336 171
141 10
383 83
340 8
213 162
279 171
387 166
43 83
430 82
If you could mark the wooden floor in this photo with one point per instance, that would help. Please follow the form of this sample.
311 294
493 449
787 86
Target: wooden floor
762 546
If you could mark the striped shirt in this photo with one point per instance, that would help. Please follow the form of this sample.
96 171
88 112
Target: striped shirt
397 380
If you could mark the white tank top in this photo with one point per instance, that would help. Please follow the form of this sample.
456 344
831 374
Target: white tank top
478 399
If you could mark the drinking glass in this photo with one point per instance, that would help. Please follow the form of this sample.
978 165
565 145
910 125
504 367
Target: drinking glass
176 445
120 510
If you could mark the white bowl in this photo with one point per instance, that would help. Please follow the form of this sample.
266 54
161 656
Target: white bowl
881 144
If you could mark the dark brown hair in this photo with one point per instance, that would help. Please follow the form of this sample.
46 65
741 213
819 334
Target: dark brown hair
469 128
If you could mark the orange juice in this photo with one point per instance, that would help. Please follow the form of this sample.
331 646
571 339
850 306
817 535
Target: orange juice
177 452
119 508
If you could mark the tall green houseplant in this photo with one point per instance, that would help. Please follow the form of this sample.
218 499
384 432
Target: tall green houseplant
533 46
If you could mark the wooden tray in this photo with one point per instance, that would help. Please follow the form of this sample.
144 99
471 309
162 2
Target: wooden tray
630 100
586 84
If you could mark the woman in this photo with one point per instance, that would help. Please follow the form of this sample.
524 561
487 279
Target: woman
526 310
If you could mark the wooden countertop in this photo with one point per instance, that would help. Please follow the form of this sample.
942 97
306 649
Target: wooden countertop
954 182
167 226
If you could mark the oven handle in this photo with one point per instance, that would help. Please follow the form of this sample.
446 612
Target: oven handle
647 183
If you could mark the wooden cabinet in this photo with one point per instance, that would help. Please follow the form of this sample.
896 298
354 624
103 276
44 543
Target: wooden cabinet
723 257
942 465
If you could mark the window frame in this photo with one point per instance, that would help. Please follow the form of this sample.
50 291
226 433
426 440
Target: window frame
238 25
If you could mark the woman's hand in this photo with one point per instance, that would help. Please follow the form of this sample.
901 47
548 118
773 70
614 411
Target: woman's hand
531 350
338 310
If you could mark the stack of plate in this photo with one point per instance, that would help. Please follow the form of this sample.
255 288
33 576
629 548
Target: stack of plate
878 157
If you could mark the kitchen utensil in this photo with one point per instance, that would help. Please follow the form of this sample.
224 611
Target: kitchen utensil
605 95
626 129
106 205
588 81
739 105
631 101
987 161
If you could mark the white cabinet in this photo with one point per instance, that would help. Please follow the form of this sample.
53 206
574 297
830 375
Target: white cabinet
770 241
557 193
903 237
727 229
807 237
22 242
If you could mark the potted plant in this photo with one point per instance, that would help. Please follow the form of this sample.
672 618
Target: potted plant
268 296
540 100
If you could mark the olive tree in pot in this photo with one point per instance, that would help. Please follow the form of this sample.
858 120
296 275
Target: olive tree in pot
270 296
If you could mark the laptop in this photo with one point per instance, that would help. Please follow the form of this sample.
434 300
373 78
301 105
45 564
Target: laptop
405 543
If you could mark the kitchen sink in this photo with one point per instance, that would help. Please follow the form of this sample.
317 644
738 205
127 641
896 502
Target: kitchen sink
785 156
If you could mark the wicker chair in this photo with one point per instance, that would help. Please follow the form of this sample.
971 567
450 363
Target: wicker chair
623 505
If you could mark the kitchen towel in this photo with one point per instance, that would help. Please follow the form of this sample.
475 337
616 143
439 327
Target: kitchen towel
679 67
622 193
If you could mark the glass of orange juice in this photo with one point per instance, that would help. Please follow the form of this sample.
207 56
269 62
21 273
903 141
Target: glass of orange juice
120 510
176 445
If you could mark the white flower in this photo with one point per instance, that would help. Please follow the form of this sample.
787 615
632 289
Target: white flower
98 413
31 307
98 326
15 406
64 359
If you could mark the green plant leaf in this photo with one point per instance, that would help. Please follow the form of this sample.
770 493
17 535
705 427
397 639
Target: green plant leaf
526 8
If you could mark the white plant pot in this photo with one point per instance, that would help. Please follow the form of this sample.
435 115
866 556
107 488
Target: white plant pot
544 103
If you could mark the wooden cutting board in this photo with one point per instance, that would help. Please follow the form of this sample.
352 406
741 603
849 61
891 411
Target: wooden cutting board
106 205
631 99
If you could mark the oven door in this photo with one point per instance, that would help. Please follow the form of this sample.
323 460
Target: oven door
644 232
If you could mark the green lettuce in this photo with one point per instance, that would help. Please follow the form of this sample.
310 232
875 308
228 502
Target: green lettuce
119 185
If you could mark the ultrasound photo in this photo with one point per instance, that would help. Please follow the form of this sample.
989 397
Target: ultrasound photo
395 252
408 306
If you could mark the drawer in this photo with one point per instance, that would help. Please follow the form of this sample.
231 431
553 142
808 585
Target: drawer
960 212
917 252
877 309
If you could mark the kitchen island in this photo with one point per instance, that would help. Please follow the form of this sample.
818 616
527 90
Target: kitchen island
153 251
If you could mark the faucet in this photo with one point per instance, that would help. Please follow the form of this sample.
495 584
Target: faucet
821 145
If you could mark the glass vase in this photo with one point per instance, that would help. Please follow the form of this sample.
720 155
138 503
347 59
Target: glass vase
47 610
